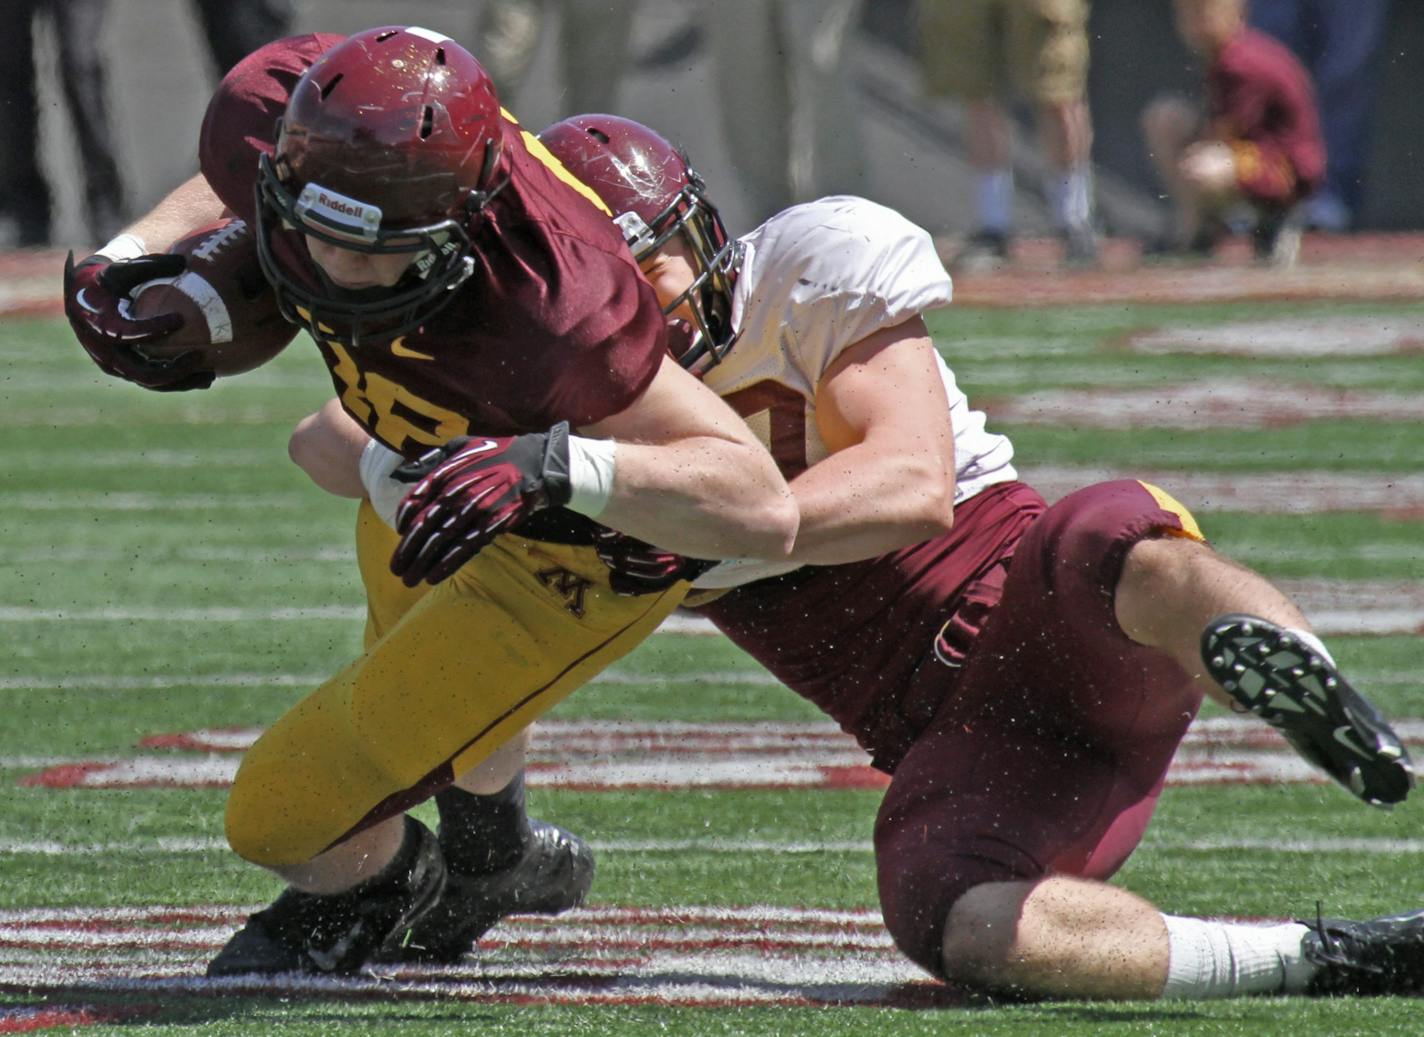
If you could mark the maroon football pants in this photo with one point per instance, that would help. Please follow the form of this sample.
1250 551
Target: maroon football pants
1051 752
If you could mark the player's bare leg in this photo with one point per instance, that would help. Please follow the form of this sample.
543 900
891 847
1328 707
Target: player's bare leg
1169 125
1057 937
1254 651
1075 938
1065 132
1171 588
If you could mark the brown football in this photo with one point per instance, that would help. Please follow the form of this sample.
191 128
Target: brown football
229 311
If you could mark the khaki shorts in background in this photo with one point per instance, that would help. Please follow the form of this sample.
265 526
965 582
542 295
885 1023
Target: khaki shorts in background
975 49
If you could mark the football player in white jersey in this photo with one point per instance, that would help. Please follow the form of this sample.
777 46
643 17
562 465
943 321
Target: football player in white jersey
1028 711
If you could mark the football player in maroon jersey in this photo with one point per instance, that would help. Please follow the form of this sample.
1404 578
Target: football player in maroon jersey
1026 673
475 306
1257 144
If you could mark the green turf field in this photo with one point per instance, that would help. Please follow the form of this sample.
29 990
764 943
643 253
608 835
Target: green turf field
169 571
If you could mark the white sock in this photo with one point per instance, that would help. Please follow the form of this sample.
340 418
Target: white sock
1224 959
996 200
1310 640
1073 197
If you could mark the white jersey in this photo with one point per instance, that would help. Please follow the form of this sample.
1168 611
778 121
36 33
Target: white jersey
816 279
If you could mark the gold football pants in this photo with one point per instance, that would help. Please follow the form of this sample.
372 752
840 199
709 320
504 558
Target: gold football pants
449 674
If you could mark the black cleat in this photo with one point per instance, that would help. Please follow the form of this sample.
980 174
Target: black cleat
335 935
553 876
1381 956
1300 694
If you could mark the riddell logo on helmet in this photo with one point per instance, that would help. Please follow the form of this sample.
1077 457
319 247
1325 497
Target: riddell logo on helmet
341 205
338 212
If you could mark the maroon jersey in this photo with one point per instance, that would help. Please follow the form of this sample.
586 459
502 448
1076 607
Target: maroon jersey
1261 103
556 323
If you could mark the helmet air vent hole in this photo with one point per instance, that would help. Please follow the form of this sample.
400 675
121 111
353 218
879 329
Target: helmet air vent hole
383 37
598 135
427 121
326 90
440 56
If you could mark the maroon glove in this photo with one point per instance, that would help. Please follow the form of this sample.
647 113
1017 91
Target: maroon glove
637 567
469 491
96 294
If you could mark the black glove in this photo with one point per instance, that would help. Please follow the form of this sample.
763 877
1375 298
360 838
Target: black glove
469 491
94 292
637 567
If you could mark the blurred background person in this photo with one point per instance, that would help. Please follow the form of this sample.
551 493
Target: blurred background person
987 52
593 48
788 113
1339 43
1258 143
25 197
235 28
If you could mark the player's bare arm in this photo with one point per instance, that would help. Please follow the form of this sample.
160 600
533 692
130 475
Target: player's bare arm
691 477
881 408
190 205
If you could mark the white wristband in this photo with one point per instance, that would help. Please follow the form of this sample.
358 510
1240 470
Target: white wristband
590 474
378 461
125 246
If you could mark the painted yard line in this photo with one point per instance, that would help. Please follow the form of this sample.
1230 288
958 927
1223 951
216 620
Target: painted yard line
87 502
609 755
1286 338
745 915
1269 493
113 682
1296 492
1336 606
769 770
556 740
1210 403
174 846
681 955
167 555
141 458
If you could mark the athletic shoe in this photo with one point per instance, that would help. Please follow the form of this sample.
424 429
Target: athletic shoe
336 935
553 876
1381 956
1080 246
1301 694
1276 239
982 251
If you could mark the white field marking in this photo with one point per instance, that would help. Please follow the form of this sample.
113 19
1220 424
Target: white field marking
673 956
1269 493
1210 403
176 846
610 756
114 682
164 554
178 419
136 459
1286 338
1381 617
161 502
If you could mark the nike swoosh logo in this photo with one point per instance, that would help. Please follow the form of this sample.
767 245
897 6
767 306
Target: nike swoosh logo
1345 735
399 348
83 303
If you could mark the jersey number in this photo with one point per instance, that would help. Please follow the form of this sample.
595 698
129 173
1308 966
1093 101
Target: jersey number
392 413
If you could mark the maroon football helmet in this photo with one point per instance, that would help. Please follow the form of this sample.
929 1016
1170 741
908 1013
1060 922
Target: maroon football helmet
389 143
655 194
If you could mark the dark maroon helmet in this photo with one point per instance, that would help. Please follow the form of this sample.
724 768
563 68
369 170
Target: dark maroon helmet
654 193
389 144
